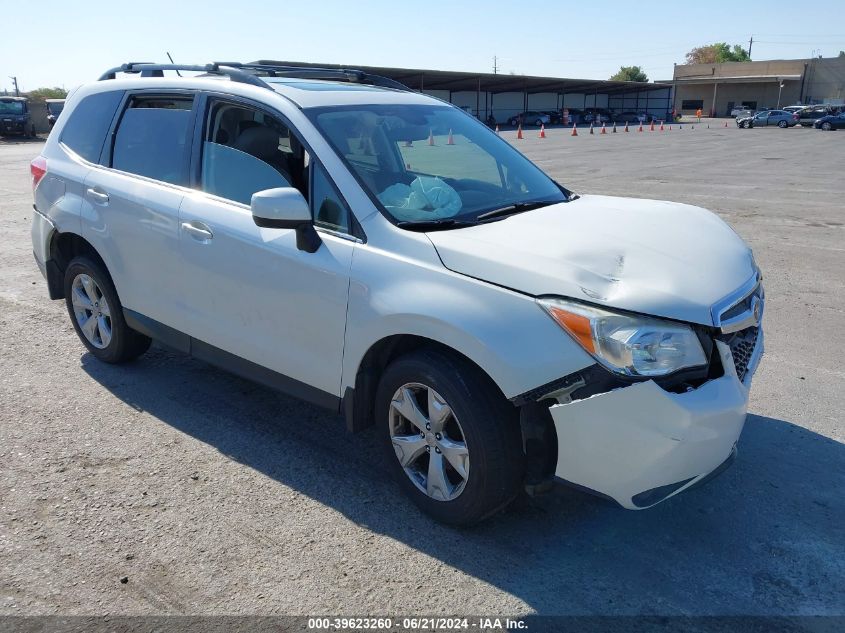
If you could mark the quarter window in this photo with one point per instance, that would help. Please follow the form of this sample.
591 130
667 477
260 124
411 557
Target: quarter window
152 138
329 209
85 131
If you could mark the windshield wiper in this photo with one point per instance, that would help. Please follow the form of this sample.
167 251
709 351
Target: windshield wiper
434 225
517 207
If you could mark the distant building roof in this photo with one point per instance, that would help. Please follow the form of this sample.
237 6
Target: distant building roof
459 81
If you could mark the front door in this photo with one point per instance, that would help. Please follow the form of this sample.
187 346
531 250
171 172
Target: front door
250 291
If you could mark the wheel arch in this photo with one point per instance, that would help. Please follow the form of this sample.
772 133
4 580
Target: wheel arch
358 403
64 247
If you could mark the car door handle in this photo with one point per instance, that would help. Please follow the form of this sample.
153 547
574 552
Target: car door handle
198 231
100 197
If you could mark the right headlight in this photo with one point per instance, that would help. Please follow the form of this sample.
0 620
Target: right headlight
628 344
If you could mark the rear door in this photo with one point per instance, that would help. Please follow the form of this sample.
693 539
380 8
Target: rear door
131 202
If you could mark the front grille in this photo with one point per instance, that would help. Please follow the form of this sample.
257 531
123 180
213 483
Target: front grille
742 345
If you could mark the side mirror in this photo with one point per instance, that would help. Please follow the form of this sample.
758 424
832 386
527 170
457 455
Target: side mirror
286 208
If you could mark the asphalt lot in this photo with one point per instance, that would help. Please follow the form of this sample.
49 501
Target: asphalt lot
213 495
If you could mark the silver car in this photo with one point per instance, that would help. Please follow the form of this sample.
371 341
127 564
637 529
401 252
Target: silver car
780 118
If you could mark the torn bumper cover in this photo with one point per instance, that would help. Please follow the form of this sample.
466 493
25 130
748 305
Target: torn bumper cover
640 444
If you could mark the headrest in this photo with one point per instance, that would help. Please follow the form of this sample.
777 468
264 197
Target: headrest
262 142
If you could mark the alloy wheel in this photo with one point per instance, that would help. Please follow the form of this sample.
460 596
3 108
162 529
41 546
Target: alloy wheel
428 441
91 310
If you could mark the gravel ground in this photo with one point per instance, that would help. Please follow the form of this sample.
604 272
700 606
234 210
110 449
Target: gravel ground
169 487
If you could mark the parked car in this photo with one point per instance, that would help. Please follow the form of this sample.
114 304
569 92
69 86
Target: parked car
597 115
499 330
531 117
831 122
54 109
15 117
554 116
575 115
633 117
742 111
779 118
794 108
809 116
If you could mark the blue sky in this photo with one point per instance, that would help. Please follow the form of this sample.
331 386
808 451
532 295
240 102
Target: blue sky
70 43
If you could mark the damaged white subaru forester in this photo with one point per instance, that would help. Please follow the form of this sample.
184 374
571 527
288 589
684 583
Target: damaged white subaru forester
379 252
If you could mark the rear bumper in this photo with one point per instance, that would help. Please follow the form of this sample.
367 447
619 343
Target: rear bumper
640 445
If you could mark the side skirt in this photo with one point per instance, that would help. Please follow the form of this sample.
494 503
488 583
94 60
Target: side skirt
181 342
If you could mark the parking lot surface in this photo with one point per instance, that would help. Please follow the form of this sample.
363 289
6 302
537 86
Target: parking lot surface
209 494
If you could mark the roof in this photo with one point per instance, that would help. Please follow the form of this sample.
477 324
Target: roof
459 81
708 79
313 93
11 98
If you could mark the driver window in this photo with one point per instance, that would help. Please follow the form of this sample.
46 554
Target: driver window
246 150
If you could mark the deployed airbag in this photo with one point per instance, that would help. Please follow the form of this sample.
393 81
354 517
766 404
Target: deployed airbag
426 198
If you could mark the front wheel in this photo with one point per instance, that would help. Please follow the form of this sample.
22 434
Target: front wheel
97 314
746 124
453 439
826 126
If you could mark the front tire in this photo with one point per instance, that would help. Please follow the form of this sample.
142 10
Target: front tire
97 314
826 126
453 440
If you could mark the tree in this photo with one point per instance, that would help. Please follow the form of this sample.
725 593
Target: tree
40 94
717 53
630 73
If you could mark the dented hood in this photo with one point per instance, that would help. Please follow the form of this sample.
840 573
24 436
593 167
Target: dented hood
650 256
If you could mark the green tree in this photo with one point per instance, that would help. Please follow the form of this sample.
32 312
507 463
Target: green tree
717 53
40 94
630 73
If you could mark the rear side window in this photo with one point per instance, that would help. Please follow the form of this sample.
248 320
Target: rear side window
152 138
89 123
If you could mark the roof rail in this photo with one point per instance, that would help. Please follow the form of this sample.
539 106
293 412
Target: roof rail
251 73
351 75
147 69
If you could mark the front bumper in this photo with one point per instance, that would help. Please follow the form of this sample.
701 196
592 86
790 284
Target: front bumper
640 445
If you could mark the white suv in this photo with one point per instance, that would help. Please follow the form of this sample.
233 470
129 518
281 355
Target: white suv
384 254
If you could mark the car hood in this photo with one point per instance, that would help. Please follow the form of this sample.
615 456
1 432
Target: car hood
649 256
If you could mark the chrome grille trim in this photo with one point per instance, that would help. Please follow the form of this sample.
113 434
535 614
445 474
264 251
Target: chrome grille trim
751 294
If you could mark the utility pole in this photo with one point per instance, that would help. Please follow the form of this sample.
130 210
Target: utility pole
750 42
15 81
495 65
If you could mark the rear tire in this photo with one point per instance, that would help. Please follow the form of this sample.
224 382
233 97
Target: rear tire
782 124
97 314
826 126
478 420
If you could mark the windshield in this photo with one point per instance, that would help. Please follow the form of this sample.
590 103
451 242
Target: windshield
11 107
433 163
55 108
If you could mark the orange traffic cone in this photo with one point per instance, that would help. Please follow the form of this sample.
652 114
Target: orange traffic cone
431 137
726 124
614 127
661 126
603 130
651 129
542 131
497 128
641 127
626 126
574 130
450 141
591 129
519 131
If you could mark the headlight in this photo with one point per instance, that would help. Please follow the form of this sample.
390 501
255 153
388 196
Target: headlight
628 344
